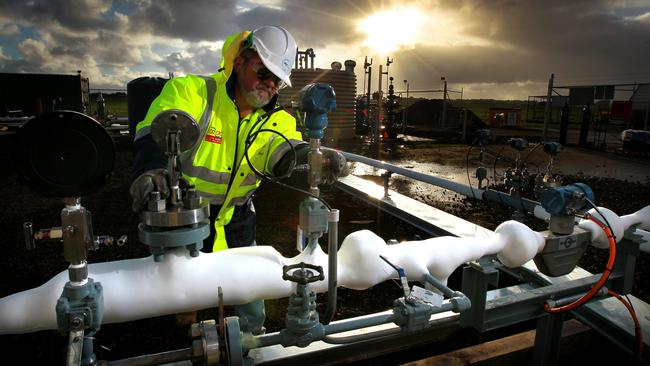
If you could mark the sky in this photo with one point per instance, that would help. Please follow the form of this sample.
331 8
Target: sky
498 49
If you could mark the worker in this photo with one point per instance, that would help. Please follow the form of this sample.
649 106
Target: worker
230 106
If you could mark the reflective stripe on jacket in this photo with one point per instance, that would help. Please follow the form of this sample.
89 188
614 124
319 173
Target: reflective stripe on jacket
210 165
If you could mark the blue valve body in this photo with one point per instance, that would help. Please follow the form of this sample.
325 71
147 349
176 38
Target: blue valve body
316 100
568 199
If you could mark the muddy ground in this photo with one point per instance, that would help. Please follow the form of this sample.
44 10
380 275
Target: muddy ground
624 191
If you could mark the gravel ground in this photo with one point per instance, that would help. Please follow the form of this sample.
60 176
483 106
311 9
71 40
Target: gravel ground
277 220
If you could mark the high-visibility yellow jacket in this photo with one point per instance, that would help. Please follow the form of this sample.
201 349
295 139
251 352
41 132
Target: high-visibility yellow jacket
217 166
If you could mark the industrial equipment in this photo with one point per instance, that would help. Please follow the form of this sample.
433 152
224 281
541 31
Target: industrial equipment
182 218
176 282
68 154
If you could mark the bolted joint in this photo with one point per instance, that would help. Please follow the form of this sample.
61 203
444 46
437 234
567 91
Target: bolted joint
192 199
156 203
76 323
460 302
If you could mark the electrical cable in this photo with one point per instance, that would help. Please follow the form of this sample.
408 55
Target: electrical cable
531 151
250 138
605 275
638 334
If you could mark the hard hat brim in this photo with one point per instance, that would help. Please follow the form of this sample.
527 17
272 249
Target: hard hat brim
276 71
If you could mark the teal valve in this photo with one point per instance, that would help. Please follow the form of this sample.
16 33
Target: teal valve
316 101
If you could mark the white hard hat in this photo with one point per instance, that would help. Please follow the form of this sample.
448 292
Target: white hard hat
276 48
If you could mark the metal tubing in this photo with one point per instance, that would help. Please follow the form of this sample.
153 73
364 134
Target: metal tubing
155 359
464 189
351 324
362 337
512 201
439 285
338 327
332 276
265 340
453 186
569 299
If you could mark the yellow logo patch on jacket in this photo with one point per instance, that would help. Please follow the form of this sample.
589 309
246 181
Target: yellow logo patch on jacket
213 135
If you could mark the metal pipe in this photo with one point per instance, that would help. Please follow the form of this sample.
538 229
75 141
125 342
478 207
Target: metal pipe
569 299
332 275
344 325
155 359
547 108
362 337
453 186
464 189
352 324
439 285
374 335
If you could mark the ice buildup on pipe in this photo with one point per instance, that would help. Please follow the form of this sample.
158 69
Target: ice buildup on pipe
141 288
640 218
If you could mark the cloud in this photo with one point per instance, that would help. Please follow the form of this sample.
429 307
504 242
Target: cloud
3 58
74 15
8 29
195 20
200 59
643 18
501 45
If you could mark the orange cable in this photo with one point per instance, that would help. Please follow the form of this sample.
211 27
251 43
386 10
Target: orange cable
637 327
603 277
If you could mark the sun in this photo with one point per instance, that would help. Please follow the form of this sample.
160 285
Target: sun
389 30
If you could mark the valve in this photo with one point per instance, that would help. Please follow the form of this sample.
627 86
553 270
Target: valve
305 273
182 219
57 233
316 100
302 321
567 200
552 148
518 143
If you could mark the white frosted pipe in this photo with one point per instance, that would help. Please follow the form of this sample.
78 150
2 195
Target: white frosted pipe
141 288
619 224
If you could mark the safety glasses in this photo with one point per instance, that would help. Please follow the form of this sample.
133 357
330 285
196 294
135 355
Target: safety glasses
265 74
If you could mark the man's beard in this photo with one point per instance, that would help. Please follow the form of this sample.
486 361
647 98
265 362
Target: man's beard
252 97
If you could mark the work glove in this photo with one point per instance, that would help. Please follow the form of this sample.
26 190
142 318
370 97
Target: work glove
147 182
334 167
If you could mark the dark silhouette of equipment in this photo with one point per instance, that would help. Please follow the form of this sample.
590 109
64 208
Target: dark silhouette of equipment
391 121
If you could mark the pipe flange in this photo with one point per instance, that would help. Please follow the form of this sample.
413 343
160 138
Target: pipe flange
210 340
234 354
176 216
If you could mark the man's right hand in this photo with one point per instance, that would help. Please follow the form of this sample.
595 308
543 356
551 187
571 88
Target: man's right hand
147 182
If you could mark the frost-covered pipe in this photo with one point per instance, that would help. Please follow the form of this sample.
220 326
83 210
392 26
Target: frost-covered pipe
640 218
141 288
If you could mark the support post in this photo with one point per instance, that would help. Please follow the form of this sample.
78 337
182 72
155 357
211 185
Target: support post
476 279
368 95
547 340
463 118
647 112
443 121
379 106
547 109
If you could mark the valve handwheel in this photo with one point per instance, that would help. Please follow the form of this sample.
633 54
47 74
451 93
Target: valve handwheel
304 273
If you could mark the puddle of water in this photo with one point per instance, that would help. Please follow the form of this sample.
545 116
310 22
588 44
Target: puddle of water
413 188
